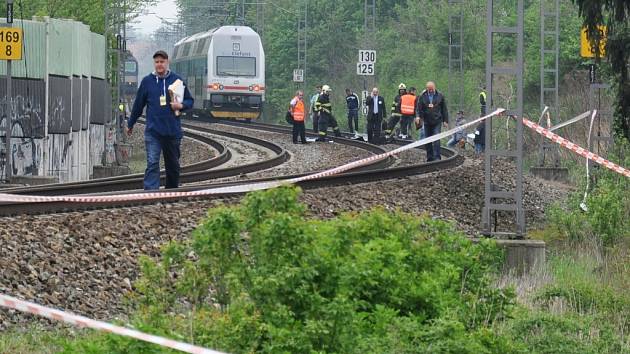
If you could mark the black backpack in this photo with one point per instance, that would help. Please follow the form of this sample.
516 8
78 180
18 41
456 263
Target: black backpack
289 117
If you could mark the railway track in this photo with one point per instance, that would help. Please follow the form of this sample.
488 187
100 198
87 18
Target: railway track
378 170
202 171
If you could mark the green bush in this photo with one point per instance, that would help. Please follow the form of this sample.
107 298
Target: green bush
261 277
608 217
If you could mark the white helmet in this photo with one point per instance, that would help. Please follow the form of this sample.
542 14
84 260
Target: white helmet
326 89
402 86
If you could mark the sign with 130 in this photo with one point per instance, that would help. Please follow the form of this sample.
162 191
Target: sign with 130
10 43
367 59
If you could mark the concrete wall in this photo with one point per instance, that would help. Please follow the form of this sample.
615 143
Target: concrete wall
60 112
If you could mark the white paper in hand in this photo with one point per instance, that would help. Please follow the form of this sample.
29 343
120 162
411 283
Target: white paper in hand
176 90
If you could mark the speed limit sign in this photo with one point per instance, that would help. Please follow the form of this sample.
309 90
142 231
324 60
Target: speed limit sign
365 68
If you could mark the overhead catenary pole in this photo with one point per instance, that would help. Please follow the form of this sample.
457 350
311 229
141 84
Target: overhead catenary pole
301 41
456 54
369 29
8 163
549 73
500 200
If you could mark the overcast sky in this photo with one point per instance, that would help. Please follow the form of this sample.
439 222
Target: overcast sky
150 22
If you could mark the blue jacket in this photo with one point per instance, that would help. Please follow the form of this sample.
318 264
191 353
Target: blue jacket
161 120
352 102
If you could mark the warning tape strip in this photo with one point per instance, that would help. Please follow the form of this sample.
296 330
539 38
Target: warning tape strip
80 321
576 148
13 198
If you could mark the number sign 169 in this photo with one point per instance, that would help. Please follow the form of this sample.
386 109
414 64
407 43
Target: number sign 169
10 43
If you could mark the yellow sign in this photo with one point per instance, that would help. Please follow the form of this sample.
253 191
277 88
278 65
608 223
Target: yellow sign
10 43
586 47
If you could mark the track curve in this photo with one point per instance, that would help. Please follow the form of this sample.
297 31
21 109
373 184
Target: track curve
379 170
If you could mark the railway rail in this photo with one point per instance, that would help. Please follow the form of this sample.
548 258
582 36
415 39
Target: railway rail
378 170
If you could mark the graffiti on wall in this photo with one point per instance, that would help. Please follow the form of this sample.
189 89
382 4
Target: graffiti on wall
85 103
110 141
97 144
59 101
27 105
59 161
26 117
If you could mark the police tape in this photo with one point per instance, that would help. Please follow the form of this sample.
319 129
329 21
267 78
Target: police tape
576 148
13 198
80 321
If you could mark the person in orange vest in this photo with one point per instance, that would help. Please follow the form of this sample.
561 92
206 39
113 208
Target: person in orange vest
408 111
298 112
396 113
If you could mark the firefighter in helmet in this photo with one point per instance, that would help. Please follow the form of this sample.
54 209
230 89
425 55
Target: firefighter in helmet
326 119
396 113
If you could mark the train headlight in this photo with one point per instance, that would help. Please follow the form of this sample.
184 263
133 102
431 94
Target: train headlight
215 87
256 88
251 88
221 87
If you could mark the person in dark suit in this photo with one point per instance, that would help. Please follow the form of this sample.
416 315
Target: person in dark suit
433 113
375 114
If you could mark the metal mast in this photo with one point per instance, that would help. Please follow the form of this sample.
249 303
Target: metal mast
456 55
549 73
369 31
499 199
301 40
260 18
240 13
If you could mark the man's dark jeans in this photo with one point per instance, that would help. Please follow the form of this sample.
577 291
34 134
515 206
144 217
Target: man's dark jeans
433 149
353 117
170 147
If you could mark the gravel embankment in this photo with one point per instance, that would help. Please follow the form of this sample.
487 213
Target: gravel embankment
85 262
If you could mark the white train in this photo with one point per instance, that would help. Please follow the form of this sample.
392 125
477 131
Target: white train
224 69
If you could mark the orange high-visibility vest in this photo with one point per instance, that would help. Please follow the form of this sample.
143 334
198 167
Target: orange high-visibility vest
408 104
298 111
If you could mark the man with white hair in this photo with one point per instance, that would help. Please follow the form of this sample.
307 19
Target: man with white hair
376 112
433 112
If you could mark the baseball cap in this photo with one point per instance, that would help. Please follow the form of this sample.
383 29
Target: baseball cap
160 53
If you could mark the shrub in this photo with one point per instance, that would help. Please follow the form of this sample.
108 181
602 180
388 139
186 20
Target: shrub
608 217
260 277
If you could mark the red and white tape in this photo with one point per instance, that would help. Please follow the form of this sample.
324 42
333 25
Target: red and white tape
80 321
576 148
12 198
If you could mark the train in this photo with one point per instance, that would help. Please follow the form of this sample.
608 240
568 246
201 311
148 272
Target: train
224 69
130 77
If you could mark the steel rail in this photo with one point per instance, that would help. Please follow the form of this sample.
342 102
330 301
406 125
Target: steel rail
453 159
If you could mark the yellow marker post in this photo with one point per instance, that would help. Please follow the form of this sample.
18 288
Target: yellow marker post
11 43
585 43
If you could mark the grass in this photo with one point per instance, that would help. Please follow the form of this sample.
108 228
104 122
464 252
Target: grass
583 288
33 340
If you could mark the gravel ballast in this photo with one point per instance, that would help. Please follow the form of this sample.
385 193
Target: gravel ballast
86 262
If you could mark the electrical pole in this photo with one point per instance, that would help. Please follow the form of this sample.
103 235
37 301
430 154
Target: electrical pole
456 54
8 163
369 31
500 200
549 73
301 43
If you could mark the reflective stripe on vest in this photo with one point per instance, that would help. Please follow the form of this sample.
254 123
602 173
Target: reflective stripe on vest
408 104
298 111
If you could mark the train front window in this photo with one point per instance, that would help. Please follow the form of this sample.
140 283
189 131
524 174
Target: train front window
236 66
130 67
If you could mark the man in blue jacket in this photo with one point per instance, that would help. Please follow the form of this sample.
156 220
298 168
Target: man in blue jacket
163 132
352 103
